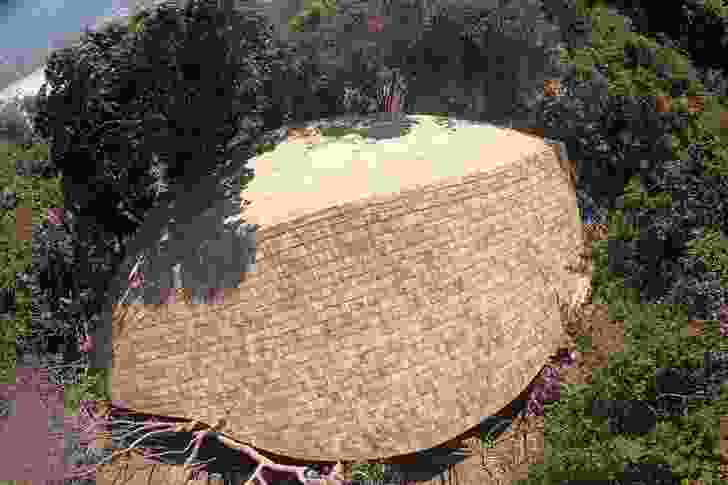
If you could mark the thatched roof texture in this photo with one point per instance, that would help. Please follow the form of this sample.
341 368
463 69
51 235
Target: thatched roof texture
403 291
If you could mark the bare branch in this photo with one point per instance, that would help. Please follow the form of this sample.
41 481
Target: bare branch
118 453
192 464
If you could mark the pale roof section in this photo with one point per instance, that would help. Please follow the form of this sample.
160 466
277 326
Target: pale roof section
335 172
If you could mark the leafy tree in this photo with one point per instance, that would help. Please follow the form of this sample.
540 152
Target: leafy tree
466 40
573 22
680 251
336 38
695 26
122 101
505 52
136 22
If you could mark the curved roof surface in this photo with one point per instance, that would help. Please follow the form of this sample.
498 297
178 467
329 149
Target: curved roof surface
372 326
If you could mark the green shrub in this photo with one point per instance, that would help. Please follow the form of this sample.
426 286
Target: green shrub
712 249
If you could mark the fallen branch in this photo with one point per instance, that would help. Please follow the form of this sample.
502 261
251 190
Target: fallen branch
126 429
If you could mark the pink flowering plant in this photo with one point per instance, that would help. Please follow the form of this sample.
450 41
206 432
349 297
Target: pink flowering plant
723 318
547 387
86 344
391 93
375 24
56 216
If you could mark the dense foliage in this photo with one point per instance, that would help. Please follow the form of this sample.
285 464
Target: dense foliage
698 27
34 189
676 258
121 102
447 44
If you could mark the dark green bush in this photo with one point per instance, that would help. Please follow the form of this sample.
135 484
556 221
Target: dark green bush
694 26
165 90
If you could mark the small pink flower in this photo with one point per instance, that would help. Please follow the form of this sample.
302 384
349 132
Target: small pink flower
375 24
550 373
199 475
565 357
723 313
55 216
216 296
136 279
86 344
535 407
167 295
394 104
